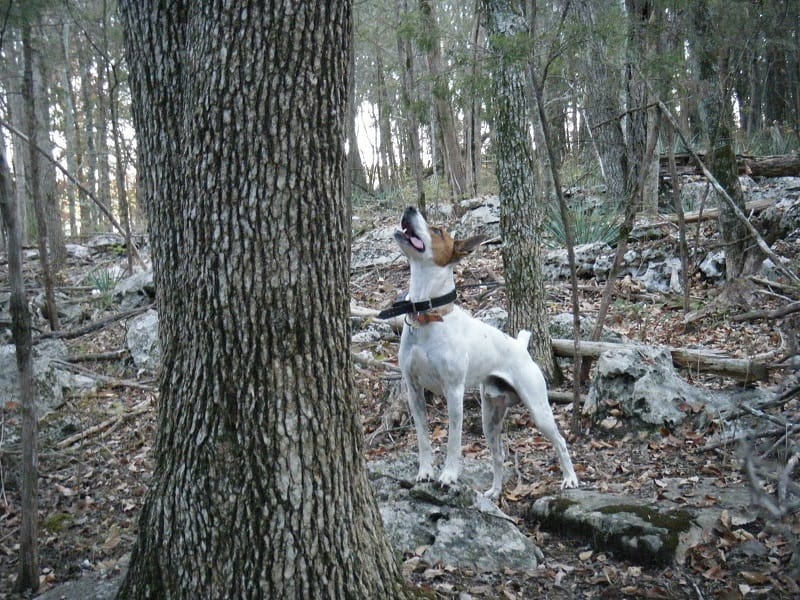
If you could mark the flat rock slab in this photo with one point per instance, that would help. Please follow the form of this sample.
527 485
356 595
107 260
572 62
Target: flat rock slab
645 531
457 526
89 587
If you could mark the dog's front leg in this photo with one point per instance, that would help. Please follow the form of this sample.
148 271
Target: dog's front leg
416 404
455 421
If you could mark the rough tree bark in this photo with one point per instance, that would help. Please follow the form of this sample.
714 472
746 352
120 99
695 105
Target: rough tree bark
38 192
430 43
409 102
28 574
260 488
521 216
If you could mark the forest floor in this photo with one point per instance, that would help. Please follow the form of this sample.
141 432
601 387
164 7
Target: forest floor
91 490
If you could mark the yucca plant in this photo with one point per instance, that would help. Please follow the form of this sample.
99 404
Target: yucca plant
104 281
590 224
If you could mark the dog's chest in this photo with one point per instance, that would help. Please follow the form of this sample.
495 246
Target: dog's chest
431 360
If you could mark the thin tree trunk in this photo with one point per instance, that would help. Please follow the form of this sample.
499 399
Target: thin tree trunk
569 239
452 160
387 162
89 213
34 161
72 143
28 574
101 142
409 100
521 216
57 251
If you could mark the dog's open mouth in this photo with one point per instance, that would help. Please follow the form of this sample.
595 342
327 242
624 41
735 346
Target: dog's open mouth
408 235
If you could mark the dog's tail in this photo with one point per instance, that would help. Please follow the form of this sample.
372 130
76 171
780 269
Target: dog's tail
523 337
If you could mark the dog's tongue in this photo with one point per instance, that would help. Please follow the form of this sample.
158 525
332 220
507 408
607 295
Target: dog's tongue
416 242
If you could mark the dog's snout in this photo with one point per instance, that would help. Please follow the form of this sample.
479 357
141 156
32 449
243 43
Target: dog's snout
409 212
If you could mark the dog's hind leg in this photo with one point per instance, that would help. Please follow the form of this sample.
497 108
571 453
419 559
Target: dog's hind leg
535 400
494 405
416 404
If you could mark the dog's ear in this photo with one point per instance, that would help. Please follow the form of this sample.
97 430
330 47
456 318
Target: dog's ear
463 247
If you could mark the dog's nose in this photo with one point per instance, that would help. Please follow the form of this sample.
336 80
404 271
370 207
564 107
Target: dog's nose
409 212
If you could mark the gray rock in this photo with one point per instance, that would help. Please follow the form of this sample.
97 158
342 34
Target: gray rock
77 251
375 248
662 276
493 315
482 216
373 331
457 526
561 326
50 380
89 587
136 290
142 341
644 382
713 265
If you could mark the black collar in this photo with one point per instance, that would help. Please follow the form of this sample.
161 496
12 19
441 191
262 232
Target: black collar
405 307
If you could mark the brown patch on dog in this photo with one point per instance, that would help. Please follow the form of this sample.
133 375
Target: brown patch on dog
446 250
441 246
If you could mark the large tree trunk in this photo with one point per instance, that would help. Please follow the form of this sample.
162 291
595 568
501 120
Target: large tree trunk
260 488
521 216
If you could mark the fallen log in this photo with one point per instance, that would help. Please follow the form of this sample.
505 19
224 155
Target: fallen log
782 165
713 213
702 361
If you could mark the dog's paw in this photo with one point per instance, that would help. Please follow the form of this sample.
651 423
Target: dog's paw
425 475
570 482
448 478
492 493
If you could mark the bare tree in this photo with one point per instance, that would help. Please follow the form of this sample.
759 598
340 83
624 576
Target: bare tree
28 578
521 216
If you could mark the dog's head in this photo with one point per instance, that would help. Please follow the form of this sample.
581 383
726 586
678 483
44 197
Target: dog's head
421 242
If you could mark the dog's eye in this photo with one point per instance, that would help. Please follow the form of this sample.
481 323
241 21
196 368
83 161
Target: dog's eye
437 231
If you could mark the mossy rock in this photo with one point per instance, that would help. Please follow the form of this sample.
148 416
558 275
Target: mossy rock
641 532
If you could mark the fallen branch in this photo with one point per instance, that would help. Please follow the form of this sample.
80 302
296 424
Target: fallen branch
94 326
98 356
106 426
110 381
697 360
370 362
777 313
713 213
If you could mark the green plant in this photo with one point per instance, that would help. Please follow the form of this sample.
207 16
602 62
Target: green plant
590 224
104 281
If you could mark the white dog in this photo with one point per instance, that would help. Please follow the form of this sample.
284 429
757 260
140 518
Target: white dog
445 350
